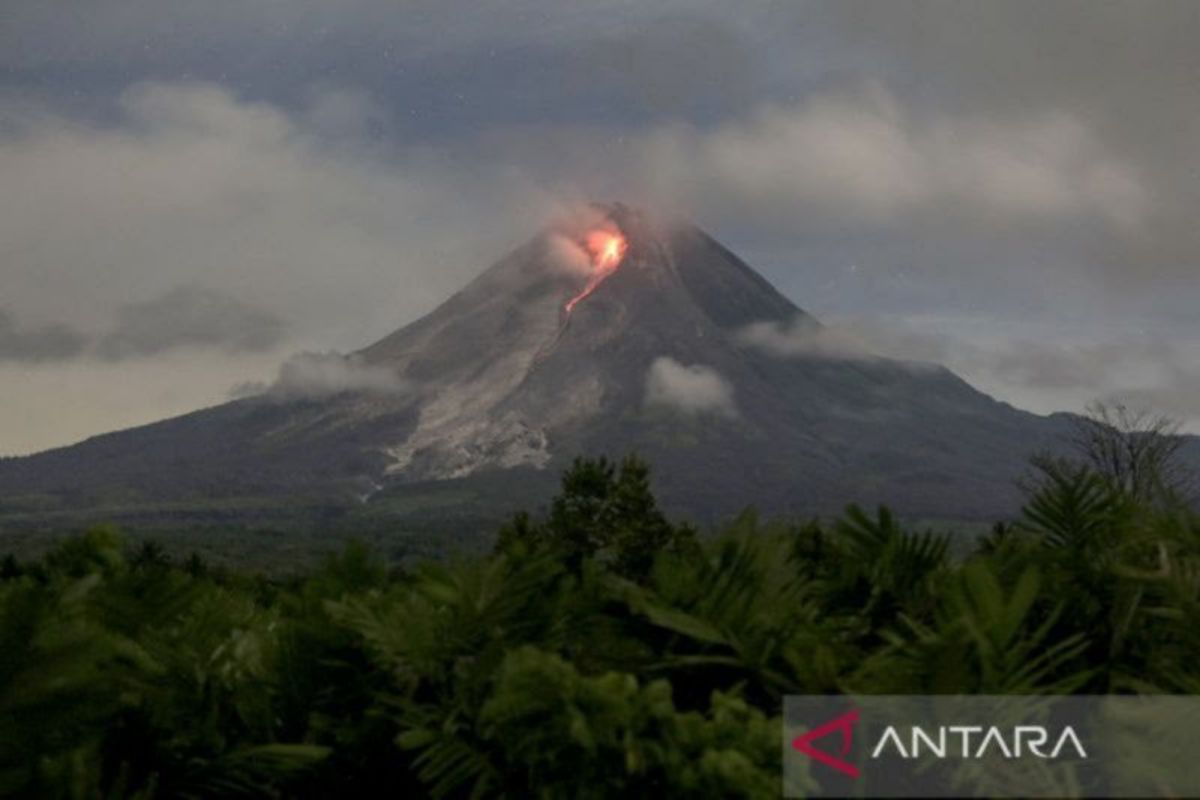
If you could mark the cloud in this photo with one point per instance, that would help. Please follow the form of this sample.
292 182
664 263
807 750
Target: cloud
694 389
863 160
184 317
801 338
860 339
1022 157
525 52
1055 366
314 234
1101 58
318 375
1125 70
1143 372
190 317
1058 124
1011 357
1046 368
53 342
112 28
1177 396
293 212
1015 198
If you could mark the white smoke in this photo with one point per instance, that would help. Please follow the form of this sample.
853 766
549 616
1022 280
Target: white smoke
571 228
317 375
694 389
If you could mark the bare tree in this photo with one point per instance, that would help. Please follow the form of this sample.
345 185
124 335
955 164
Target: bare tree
1137 452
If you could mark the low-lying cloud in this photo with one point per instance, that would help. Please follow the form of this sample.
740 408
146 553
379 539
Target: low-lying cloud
1056 371
53 342
186 317
294 211
692 389
1142 372
190 317
307 376
853 340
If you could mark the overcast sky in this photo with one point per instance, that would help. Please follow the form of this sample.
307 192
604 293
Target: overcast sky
191 192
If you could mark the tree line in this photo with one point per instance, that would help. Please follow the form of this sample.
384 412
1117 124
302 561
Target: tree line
600 650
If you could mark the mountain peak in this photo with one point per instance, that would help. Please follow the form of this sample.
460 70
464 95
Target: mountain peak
607 260
564 329
608 331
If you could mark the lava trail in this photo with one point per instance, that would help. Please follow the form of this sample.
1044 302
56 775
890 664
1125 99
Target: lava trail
606 248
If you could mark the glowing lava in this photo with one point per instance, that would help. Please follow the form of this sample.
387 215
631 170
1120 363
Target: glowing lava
606 249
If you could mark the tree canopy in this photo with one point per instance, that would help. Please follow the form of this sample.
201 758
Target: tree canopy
600 650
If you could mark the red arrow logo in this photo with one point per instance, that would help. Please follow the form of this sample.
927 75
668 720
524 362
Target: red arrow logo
845 724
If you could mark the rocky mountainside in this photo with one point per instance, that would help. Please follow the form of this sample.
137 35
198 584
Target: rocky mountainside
606 334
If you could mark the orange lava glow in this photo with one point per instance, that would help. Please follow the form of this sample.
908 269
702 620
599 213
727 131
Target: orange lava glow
606 249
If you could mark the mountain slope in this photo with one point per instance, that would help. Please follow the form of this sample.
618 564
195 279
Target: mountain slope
497 388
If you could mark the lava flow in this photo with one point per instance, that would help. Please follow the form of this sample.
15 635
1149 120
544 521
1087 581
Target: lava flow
606 248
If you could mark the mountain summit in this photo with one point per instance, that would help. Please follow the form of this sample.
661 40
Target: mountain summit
606 333
536 355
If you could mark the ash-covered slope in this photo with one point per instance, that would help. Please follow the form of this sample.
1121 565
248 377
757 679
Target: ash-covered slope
503 374
501 386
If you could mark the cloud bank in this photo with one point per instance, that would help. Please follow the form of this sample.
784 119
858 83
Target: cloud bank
310 376
913 158
860 339
186 317
190 317
862 158
53 342
1044 367
294 212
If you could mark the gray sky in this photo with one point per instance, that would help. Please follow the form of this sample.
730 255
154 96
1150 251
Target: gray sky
190 193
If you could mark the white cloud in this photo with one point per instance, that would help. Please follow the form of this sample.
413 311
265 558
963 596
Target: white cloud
317 375
854 339
1044 368
694 389
862 159
342 240
190 185
801 338
338 239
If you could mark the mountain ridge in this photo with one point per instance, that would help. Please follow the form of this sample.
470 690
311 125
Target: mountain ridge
541 358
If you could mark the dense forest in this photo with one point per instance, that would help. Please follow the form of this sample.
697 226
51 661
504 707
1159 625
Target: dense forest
601 650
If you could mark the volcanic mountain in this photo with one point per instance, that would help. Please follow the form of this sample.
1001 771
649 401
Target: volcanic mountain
610 335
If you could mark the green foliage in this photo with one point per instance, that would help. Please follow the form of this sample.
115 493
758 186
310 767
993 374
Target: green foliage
1074 508
742 612
558 733
600 651
883 567
982 639
56 686
601 512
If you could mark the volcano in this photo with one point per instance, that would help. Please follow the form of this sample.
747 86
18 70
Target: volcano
570 345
